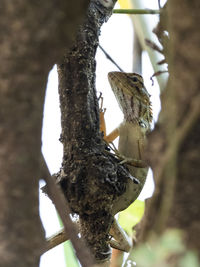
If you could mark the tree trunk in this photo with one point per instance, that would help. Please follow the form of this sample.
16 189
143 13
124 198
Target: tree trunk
33 36
174 145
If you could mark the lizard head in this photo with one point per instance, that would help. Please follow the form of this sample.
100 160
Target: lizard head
132 97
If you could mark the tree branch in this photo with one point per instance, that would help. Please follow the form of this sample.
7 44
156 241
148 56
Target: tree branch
136 11
90 177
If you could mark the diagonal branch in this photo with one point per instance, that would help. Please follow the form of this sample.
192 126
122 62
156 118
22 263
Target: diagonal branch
57 197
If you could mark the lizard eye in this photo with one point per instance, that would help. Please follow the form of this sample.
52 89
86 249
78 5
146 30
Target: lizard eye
134 79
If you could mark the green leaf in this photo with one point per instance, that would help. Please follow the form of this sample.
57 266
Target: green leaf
131 216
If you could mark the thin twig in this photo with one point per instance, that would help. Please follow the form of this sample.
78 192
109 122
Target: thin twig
110 58
157 73
153 46
163 61
56 239
159 5
137 11
61 236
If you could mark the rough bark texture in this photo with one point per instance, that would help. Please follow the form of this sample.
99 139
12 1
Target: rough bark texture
33 35
174 145
90 177
185 212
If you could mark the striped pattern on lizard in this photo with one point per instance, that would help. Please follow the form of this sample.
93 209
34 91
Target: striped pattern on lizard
134 101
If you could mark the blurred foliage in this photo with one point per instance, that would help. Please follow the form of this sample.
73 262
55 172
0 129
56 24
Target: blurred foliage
129 217
166 250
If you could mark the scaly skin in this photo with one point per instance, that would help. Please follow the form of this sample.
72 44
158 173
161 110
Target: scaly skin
134 102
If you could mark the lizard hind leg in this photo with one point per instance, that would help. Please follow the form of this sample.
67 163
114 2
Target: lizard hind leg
115 133
121 240
101 116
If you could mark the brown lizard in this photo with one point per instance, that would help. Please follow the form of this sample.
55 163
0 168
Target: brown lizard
134 101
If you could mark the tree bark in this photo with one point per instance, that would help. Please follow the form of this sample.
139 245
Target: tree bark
174 145
33 37
90 177
185 211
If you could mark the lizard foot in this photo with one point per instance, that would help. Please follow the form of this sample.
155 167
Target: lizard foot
125 160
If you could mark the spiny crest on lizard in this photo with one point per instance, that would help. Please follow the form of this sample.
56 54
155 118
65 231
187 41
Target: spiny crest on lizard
132 97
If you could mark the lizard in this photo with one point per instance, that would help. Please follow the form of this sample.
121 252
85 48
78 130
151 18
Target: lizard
134 101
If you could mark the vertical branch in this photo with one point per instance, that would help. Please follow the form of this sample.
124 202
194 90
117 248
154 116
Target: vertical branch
137 55
80 132
90 178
